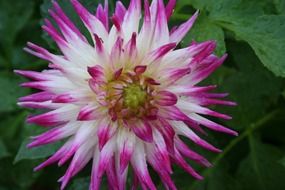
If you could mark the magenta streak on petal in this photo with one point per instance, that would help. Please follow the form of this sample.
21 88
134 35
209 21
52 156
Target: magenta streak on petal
183 29
166 98
140 69
56 66
202 110
183 164
142 129
32 74
126 149
131 46
106 11
117 23
96 72
172 113
99 43
118 73
36 85
161 28
79 161
208 50
111 175
215 95
206 145
103 133
66 31
200 75
38 51
169 8
37 97
139 165
120 11
93 24
189 90
172 75
133 13
195 125
173 29
214 126
152 81
160 52
147 16
168 133
117 49
217 114
182 129
202 50
47 119
125 156
122 179
157 159
209 101
160 148
49 28
159 167
94 85
68 154
152 114
95 178
55 157
105 156
82 12
64 98
89 112
67 21
182 147
102 15
46 138
37 105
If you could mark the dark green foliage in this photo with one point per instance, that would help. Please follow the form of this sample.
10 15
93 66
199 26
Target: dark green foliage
252 32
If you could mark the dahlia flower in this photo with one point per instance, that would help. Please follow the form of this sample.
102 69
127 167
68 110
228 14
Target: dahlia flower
124 98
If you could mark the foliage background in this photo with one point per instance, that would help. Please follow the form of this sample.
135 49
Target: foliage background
252 32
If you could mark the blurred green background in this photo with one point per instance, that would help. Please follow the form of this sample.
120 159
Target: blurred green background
252 32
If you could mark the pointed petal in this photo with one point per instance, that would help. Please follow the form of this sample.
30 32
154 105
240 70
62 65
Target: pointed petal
183 29
138 162
166 98
142 129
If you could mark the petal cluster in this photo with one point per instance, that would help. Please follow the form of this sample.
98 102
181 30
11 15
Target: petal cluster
124 99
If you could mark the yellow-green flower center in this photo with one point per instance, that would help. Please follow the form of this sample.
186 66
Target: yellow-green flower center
134 96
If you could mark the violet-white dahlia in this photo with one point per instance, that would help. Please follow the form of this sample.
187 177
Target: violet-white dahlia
124 100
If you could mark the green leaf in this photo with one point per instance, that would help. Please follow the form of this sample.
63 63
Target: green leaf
203 30
266 37
10 92
25 153
13 17
3 150
261 169
245 87
280 6
264 33
283 161
247 20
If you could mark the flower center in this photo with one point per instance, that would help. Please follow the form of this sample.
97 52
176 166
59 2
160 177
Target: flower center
134 96
128 95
